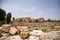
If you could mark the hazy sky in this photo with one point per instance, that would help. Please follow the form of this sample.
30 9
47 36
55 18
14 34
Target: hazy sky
32 8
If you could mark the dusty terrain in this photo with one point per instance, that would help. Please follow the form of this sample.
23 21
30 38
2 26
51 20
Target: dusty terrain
45 26
30 31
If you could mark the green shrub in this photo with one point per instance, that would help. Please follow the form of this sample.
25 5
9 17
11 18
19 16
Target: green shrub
44 30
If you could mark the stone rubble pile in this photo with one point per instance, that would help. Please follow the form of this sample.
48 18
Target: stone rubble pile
9 32
24 32
5 28
13 30
16 37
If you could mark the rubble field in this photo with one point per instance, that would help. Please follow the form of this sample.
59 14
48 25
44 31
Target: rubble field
26 32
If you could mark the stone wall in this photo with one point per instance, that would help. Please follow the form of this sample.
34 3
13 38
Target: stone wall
28 19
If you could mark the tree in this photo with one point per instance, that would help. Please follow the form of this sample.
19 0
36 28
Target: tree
9 15
36 20
13 18
2 15
49 20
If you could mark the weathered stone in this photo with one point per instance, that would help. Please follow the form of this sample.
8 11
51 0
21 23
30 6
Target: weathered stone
50 36
36 32
24 29
15 24
18 27
24 35
13 30
33 38
57 27
24 32
16 37
4 36
6 28
1 35
0 28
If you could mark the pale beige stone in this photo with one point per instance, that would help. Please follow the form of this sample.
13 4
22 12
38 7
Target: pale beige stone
36 32
33 38
16 37
4 36
24 32
6 28
13 30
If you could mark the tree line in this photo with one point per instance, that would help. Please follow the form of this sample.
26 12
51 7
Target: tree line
5 17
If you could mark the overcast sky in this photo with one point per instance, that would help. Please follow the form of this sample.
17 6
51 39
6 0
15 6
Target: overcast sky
32 8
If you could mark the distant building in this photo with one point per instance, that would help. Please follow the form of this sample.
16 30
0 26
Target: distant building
41 20
27 19
33 20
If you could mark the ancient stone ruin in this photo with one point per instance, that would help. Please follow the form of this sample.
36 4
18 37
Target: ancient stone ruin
9 32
